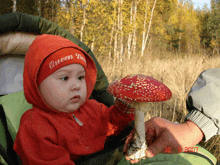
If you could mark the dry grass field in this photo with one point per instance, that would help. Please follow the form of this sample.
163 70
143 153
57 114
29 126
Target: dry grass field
177 73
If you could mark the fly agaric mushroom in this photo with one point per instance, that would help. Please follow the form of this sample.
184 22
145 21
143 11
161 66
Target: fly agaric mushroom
139 90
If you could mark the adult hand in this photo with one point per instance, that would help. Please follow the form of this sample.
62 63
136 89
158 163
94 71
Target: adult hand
162 133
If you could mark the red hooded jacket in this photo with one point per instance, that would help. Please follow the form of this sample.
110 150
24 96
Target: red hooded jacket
47 136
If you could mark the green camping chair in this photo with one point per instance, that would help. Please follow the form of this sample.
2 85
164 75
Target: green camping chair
17 31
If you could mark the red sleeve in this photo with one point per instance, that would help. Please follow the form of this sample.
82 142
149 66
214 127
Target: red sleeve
36 143
118 120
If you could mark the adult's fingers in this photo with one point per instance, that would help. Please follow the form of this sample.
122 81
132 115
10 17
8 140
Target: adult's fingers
156 147
129 138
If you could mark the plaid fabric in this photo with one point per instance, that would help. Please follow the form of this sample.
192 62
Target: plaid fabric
123 107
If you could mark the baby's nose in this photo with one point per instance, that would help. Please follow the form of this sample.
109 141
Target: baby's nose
75 85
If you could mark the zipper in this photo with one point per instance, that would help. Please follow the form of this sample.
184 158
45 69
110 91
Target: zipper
77 120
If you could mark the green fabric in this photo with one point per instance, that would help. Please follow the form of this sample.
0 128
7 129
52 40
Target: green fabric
28 23
14 105
18 22
2 136
196 158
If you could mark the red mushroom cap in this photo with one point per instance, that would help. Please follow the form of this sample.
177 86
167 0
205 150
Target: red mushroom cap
139 88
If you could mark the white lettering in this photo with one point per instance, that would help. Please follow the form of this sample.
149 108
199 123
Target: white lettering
79 56
53 64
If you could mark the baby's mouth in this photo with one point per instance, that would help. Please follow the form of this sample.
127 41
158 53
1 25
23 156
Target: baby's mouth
75 98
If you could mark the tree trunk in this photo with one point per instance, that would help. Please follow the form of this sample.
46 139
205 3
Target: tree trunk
39 8
92 45
121 30
14 5
149 26
130 34
144 31
134 39
112 36
52 10
110 43
116 46
83 24
72 14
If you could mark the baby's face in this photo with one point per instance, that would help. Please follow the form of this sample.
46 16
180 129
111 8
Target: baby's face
65 89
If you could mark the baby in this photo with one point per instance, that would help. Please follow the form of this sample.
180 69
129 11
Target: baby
64 124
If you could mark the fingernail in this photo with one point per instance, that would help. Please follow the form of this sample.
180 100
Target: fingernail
149 153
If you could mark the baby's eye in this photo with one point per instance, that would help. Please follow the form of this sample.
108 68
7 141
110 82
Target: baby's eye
64 78
81 77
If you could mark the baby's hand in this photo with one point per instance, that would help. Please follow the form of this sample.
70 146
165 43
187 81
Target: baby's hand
124 106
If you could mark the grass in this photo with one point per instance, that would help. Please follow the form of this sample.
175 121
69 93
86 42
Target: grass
178 73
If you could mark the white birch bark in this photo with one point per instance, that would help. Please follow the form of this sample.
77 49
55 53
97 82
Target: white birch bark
14 5
83 23
130 34
112 35
121 30
134 40
120 33
116 46
149 26
72 11
92 45
110 43
144 31
39 8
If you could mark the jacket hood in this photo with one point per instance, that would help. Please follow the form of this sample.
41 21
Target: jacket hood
42 47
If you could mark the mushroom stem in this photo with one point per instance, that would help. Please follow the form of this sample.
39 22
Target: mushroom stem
138 145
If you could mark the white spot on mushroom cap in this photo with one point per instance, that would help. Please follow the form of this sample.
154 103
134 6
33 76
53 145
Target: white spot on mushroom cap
139 88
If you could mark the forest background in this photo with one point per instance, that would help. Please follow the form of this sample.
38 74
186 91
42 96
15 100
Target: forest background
166 39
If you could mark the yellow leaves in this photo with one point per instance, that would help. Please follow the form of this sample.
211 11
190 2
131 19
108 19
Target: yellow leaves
63 18
102 22
213 43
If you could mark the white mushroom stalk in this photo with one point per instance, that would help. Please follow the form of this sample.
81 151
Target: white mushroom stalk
139 90
138 145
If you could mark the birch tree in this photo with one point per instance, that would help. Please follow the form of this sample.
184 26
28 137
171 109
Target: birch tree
14 5
120 26
130 33
72 12
38 8
112 32
145 38
83 23
134 37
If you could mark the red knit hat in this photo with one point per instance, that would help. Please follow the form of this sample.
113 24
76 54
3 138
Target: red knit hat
58 60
